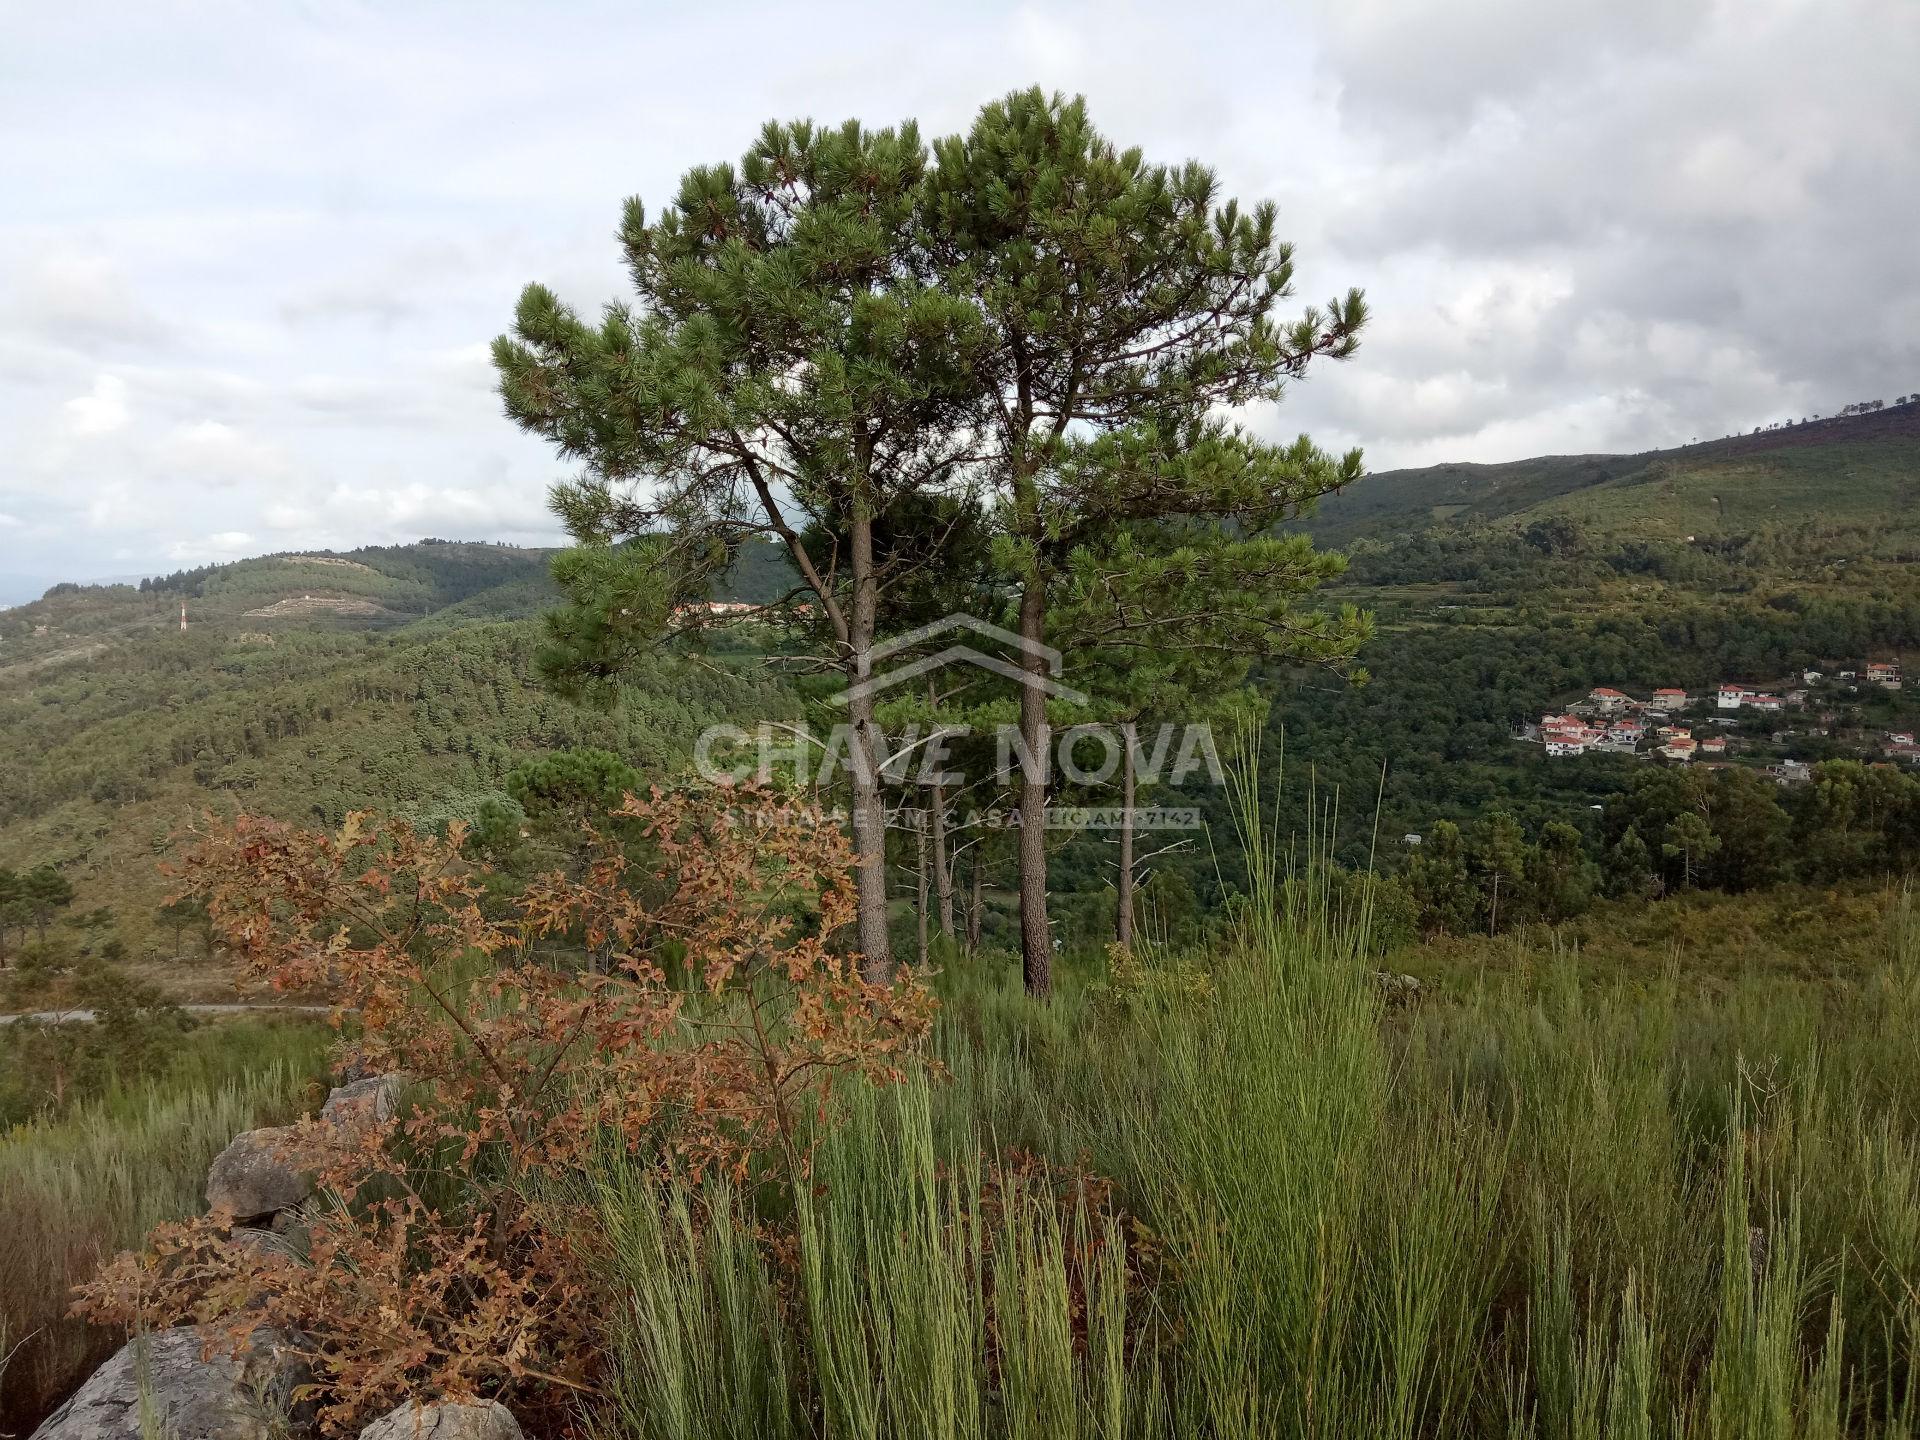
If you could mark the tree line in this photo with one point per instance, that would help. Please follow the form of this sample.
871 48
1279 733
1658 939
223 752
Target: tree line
1676 829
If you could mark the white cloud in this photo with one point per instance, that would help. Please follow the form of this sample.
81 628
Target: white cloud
208 549
213 452
101 411
84 302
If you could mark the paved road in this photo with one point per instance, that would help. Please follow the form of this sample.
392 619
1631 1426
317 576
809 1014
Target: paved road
85 1016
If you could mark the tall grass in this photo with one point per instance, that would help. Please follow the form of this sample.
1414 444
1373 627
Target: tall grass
76 1188
1540 1207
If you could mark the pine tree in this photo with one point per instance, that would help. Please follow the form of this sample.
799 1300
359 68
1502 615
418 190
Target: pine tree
1691 841
1629 868
1560 878
13 907
45 890
789 364
1443 889
1126 305
1131 693
1497 860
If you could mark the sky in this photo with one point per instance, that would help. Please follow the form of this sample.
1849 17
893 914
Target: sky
252 254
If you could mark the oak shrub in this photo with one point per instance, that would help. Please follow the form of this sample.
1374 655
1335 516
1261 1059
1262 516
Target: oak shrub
681 999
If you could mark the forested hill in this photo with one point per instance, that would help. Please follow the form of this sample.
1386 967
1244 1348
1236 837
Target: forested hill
398 678
403 678
1841 469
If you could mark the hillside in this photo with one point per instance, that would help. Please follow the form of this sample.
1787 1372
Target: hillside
398 678
403 678
1863 468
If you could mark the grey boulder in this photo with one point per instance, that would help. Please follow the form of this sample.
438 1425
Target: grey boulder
1398 989
363 1103
254 1175
223 1398
446 1420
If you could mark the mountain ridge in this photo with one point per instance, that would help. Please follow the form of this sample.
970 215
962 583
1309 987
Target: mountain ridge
1466 491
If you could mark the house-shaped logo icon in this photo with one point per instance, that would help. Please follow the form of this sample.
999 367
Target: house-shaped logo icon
957 624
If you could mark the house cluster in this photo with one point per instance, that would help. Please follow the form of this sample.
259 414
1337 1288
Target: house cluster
734 610
1571 735
717 609
1612 720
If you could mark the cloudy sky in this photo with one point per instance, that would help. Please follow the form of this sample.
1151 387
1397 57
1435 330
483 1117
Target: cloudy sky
251 253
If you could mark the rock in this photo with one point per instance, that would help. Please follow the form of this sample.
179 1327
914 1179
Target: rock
1399 989
446 1420
253 1176
225 1398
363 1103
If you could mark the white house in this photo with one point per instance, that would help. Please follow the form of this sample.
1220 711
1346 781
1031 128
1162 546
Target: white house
1731 697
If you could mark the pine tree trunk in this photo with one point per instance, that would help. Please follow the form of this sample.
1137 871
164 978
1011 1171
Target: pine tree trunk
1123 910
942 870
920 907
1036 938
937 815
864 751
976 911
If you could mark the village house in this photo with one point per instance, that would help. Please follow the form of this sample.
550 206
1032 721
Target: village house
1731 697
1714 745
1680 747
1765 702
1884 673
1566 735
1608 701
1668 700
